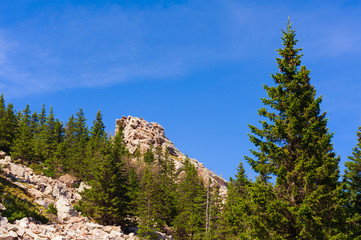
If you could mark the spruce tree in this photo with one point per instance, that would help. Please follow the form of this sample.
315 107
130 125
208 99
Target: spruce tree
294 145
11 124
66 151
352 182
191 205
54 137
97 140
149 155
237 209
73 151
40 134
3 143
8 124
23 144
107 200
147 205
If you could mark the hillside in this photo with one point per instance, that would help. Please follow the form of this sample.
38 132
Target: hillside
46 197
36 206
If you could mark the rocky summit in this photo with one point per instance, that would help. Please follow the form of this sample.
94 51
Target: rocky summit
140 134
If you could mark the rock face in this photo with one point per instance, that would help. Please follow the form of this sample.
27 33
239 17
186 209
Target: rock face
140 133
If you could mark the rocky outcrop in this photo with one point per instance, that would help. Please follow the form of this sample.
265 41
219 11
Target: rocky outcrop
138 133
61 194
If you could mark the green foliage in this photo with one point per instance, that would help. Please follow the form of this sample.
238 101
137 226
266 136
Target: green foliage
352 188
107 200
295 147
23 145
149 156
17 203
8 124
191 204
52 209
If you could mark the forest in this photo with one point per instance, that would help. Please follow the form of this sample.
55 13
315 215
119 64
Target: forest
299 192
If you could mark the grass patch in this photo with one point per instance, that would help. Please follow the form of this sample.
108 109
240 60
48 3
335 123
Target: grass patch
18 203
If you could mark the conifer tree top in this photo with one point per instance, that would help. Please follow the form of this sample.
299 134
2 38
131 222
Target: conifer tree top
295 133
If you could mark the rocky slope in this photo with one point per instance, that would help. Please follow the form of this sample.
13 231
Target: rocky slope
140 133
60 193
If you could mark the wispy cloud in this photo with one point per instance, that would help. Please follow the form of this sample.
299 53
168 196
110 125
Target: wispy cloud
86 46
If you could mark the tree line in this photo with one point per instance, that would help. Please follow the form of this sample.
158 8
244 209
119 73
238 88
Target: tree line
298 193
143 190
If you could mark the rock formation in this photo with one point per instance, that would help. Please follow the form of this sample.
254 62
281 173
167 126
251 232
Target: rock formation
61 194
138 133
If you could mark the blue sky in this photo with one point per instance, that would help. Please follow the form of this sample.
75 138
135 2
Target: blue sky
195 67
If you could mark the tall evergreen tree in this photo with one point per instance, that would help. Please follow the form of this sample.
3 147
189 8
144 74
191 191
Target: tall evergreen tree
352 180
97 141
66 151
40 134
147 205
8 124
294 145
238 207
73 151
191 205
23 144
2 123
106 201
11 124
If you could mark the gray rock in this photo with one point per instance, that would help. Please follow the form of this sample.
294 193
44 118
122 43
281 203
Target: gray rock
17 170
65 209
35 192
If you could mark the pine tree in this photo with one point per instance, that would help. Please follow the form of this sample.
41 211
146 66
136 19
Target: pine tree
352 182
40 134
8 124
3 143
97 140
146 205
238 207
73 151
11 124
54 138
191 205
294 145
149 155
23 144
54 134
107 200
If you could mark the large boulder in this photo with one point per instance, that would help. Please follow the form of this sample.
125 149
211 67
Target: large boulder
65 209
17 170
